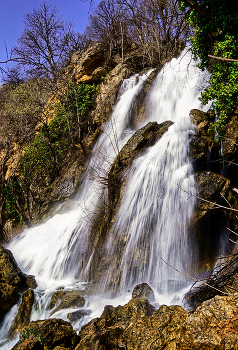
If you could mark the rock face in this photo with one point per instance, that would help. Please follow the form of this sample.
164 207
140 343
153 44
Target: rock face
24 313
66 299
203 147
12 281
88 67
210 222
47 334
142 138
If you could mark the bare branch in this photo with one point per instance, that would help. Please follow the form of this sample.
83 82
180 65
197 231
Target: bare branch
195 279
197 8
205 200
223 59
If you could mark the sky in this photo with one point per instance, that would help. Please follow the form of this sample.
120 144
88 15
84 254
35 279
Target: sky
12 14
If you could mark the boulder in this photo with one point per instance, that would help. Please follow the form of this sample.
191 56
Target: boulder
66 299
142 138
24 313
47 334
143 291
12 281
77 315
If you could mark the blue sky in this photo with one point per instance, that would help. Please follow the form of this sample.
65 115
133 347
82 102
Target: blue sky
12 14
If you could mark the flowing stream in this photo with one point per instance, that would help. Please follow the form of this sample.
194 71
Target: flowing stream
153 213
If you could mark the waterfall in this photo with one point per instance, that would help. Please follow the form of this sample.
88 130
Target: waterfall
155 209
56 249
153 213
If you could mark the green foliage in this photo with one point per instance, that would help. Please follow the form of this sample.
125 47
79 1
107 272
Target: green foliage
217 35
43 157
85 94
32 332
21 109
12 192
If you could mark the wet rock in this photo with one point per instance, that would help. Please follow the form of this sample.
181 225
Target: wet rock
47 334
77 315
66 299
61 189
203 147
12 281
208 223
230 150
24 313
30 281
142 138
143 291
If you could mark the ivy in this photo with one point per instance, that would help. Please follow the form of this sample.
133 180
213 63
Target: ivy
217 35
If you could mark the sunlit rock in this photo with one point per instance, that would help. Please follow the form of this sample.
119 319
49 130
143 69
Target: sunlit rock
12 281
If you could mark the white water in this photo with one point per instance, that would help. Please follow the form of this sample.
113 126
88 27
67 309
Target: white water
154 210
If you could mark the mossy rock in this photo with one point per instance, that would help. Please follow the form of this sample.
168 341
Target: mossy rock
47 334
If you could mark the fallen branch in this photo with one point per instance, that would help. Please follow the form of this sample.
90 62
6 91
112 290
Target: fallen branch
195 278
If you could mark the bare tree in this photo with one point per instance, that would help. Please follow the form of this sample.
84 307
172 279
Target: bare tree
45 43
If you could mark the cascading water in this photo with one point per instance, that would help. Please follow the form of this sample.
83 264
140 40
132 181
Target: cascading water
153 213
155 209
47 251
